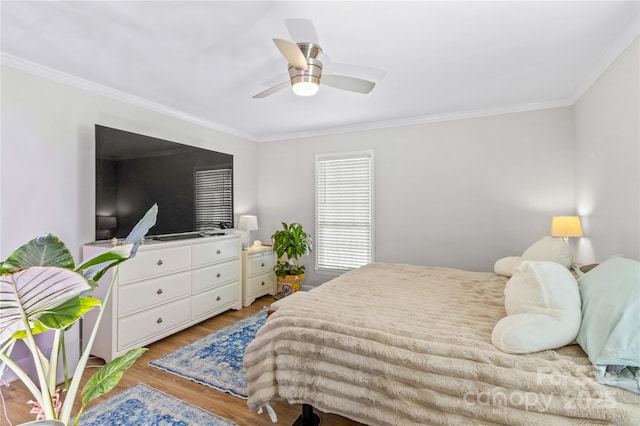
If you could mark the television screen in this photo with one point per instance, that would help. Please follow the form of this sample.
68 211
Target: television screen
192 186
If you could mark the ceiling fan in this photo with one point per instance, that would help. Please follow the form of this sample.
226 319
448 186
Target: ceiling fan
305 69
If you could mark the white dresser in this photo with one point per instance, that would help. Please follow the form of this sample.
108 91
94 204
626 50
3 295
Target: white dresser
166 287
258 277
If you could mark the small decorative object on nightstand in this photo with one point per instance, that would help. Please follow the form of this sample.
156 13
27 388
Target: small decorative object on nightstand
246 224
258 277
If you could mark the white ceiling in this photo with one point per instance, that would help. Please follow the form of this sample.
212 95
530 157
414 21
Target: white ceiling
204 60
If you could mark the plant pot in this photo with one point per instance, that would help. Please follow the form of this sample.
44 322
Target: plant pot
43 423
289 284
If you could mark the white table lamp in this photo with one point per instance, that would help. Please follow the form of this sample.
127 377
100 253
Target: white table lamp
246 224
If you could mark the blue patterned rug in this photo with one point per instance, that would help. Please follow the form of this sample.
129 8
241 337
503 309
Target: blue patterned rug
216 360
142 405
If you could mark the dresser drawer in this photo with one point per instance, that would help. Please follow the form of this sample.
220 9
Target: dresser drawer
261 284
213 276
141 326
212 300
145 294
153 263
259 263
214 252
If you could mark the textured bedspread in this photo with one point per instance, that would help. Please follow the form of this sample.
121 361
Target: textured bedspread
409 345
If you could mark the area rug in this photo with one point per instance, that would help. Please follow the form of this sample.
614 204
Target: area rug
216 360
142 405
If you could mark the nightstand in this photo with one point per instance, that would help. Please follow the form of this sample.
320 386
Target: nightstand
258 277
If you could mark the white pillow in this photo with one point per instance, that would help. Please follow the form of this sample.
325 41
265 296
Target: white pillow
506 265
543 305
551 249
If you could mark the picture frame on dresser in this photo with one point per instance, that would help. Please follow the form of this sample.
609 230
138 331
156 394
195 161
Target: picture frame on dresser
167 287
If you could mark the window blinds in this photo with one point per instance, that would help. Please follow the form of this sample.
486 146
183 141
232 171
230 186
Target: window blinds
213 198
344 211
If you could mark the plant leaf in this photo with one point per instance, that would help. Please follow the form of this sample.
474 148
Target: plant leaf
32 292
93 284
109 375
46 250
98 265
121 252
36 328
141 228
69 312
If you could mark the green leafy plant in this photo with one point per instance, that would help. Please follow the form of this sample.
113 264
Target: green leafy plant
42 290
283 268
290 244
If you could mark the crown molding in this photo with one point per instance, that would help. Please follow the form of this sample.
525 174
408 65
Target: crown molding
64 78
89 86
435 118
627 37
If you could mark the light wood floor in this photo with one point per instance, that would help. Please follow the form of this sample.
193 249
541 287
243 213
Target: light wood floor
216 402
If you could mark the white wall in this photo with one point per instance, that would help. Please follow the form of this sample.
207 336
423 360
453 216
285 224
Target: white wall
47 181
47 170
607 121
458 193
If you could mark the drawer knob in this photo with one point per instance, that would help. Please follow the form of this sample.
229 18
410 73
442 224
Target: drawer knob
218 252
159 291
218 299
262 283
159 320
160 262
218 275
262 264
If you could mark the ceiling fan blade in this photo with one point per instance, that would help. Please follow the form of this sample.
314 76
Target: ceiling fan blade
275 80
292 53
271 90
302 30
344 82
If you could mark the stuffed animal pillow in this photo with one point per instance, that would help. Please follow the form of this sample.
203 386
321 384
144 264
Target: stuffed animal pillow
547 248
543 307
552 249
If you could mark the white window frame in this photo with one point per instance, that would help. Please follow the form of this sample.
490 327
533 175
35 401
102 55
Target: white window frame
335 269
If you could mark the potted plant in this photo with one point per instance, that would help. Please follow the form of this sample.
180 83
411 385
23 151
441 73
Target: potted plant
43 290
290 243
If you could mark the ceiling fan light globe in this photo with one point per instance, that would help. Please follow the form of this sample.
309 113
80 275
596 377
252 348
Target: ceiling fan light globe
306 82
305 88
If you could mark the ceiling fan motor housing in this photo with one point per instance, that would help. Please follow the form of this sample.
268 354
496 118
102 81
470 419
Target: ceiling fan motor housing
311 74
314 66
310 50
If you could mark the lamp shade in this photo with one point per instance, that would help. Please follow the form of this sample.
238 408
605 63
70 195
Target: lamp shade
248 223
566 226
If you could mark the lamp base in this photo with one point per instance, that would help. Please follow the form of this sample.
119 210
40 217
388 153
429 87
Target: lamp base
245 240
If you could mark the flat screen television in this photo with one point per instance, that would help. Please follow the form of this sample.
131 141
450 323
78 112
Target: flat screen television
192 186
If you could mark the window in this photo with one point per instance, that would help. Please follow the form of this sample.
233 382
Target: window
213 198
344 211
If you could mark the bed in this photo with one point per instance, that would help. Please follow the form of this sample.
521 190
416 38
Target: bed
393 344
